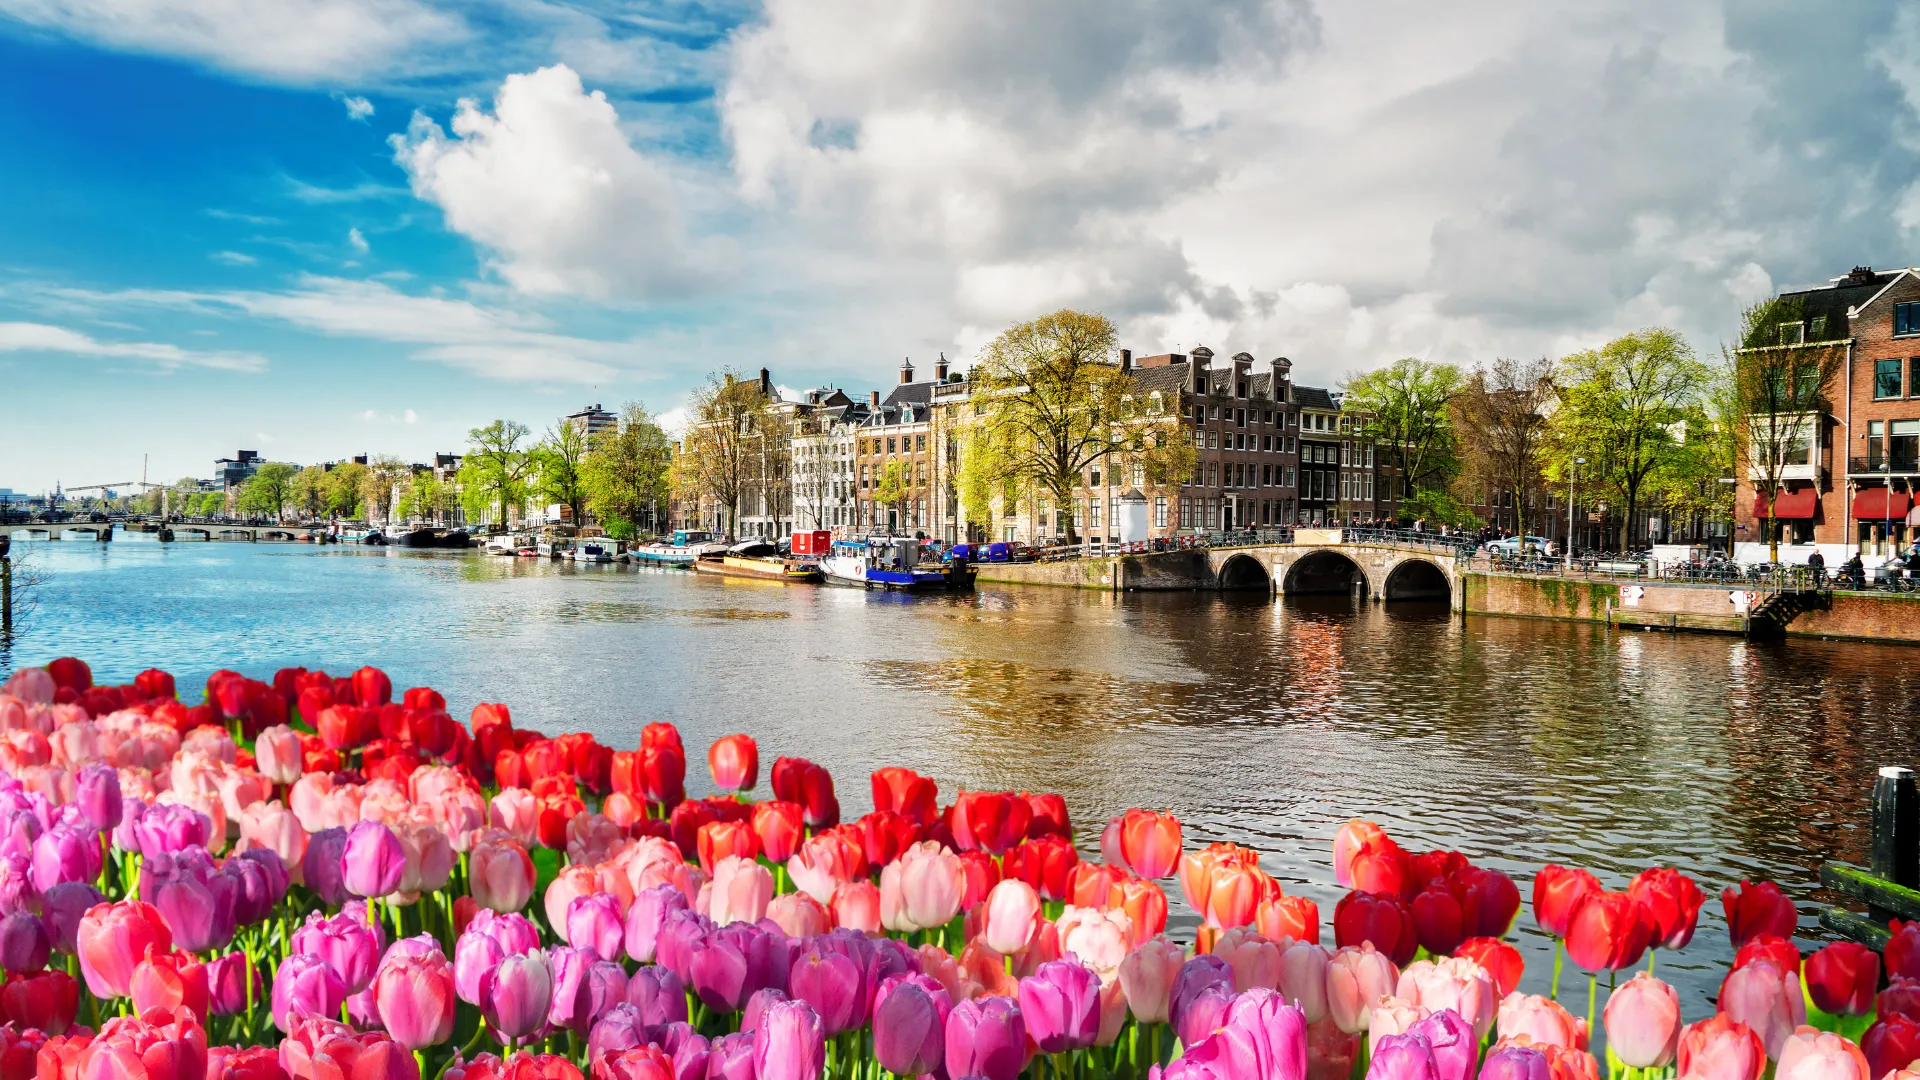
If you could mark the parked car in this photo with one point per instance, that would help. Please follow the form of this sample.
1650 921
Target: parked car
1516 545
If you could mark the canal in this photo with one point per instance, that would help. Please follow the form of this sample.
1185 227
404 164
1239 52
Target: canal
1517 742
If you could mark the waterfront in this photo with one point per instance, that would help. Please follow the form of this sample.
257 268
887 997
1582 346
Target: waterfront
1518 742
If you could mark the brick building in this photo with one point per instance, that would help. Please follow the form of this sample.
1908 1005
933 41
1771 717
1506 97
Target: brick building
897 432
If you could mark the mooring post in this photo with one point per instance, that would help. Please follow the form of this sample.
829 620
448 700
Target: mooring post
6 590
1895 854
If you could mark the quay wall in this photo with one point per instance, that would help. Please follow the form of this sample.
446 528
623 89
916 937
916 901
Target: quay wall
1863 617
1166 571
1536 598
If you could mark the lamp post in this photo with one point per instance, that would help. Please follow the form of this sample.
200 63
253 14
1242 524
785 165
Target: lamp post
1886 505
1571 470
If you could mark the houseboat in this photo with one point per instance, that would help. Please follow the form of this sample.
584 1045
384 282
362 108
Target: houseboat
682 549
893 563
757 559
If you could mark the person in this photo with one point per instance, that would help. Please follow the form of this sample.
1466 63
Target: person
1855 572
1817 566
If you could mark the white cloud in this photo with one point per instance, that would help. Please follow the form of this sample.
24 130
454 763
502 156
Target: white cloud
358 108
357 241
411 417
233 258
301 41
551 186
42 338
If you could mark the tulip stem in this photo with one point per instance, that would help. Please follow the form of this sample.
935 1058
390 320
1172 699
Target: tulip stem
1652 955
420 1059
1593 991
1558 946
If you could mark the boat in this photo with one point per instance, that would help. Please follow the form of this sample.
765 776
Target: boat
375 538
458 538
503 544
893 563
419 538
757 559
685 546
591 551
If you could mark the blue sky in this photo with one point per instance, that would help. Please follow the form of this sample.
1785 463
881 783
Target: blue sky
324 227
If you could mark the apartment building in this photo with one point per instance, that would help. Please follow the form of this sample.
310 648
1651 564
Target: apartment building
893 459
824 478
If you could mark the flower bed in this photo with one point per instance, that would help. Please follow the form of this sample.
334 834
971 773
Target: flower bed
308 879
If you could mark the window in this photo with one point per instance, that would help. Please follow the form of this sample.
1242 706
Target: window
1267 417
1266 475
890 444
1346 453
1160 511
1369 495
1241 390
1240 417
1289 482
1093 476
1903 444
919 442
1213 440
1886 378
1913 378
1199 414
1791 333
1293 419
1213 412
1816 327
1186 512
1369 457
1213 476
1906 318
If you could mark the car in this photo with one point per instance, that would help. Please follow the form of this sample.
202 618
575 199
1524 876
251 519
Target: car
1517 545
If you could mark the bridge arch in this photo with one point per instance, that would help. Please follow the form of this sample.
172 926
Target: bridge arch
1417 579
1243 571
1324 571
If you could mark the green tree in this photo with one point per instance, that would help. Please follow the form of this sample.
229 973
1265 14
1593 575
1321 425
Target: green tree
1053 403
384 474
734 438
495 470
1623 407
891 486
308 492
626 474
1407 418
424 496
267 490
558 476
346 486
1779 406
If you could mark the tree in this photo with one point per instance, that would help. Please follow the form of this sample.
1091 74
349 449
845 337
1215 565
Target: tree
1619 408
890 487
425 496
308 491
346 484
494 472
384 473
1779 397
626 474
557 469
1499 416
733 438
1052 404
1408 422
267 490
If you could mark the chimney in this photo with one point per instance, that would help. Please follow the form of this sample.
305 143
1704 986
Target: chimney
766 383
940 369
906 371
1126 360
873 399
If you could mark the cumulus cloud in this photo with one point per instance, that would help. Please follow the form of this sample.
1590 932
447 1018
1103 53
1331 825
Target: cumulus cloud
42 338
300 41
358 108
357 241
552 188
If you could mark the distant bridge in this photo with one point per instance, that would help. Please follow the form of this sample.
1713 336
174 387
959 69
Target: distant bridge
180 530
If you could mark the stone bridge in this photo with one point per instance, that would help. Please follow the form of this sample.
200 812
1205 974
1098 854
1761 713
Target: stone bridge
190 530
1323 561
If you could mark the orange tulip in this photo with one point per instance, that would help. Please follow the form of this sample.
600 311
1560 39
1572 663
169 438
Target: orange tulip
1095 885
720 839
1223 882
1293 917
1150 842
1145 903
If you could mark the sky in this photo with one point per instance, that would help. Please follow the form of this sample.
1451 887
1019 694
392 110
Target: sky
319 228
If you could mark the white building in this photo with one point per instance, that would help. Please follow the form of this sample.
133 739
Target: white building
823 452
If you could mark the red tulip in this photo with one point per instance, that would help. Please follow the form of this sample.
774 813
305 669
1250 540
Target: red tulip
592 765
1436 864
1501 960
1489 901
905 792
46 1000
1891 1043
70 673
1758 909
371 687
734 761
1380 918
884 835
154 683
1609 931
1900 998
1283 917
1049 816
1841 978
719 839
1767 947
990 821
547 757
1045 864
662 774
1557 891
1438 920
1150 842
423 697
982 875
112 938
1673 904
801 781
1380 866
1903 949
661 733
779 828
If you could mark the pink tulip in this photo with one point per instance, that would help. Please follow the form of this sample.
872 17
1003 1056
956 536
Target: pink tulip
1545 1022
1392 1016
1720 1048
566 887
856 905
1358 976
1146 977
1820 1055
519 995
1303 979
1013 916
502 874
1455 983
1097 939
932 882
789 1044
516 811
1643 1022
821 866
272 826
413 994
429 859
1254 959
799 915
1766 999
741 891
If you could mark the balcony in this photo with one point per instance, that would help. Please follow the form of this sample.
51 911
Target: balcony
1897 465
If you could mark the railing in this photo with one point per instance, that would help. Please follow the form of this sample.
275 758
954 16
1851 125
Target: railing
1898 465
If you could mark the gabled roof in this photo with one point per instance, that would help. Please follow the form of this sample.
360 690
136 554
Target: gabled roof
1314 397
1890 279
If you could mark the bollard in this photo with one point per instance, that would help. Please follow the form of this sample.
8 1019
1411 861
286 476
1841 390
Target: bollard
1895 854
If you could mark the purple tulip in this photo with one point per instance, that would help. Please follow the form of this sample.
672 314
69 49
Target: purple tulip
519 995
16 883
374 861
788 1044
593 922
833 983
66 853
757 1007
1263 1035
18 830
359 912
736 960
169 827
1204 1012
490 938
227 990
890 957
96 789
691 1055
194 898
320 868
346 944
62 907
622 1028
303 985
1193 975
1061 1001
24 942
909 1029
730 1057
1516 1063
259 880
671 1037
132 809
681 932
1402 1057
646 917
364 1010
584 988
986 1037
659 995
1451 1040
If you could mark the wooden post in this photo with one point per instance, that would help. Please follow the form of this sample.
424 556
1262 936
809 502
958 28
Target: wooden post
6 594
1895 854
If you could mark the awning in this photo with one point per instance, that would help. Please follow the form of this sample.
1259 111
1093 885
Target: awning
1878 504
1787 505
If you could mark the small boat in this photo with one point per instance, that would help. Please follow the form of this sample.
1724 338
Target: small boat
419 538
757 559
376 538
591 551
685 546
552 548
893 563
503 544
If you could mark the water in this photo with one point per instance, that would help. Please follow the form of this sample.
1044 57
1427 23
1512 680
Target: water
1518 742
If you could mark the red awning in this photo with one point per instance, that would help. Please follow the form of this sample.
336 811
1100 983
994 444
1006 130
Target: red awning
1787 505
1877 503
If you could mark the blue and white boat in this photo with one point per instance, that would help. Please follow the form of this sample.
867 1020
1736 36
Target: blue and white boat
686 546
893 563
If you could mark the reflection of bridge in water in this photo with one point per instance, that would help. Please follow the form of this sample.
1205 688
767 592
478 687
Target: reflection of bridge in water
102 532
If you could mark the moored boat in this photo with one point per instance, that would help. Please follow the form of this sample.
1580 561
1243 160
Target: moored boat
893 563
757 559
685 546
591 551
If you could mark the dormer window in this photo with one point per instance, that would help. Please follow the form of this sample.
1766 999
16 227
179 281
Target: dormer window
1816 326
1906 319
1792 333
1240 390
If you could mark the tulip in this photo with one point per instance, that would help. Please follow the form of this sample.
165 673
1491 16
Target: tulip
1841 978
990 821
373 862
112 938
779 827
1393 1016
429 860
734 961
322 869
1044 863
833 983
1516 1062
1766 999
277 754
735 762
349 946
1500 960
909 1027
1379 919
789 1043
1672 902
1903 949
742 889
799 915
1643 1022
1892 1042
1821 1055
1454 1046
1348 842
1401 1057
1900 998
622 1030
1255 960
645 918
1545 1022
304 985
719 840
502 874
1223 883
157 1046
170 981
1150 842
260 882
1609 930
931 883
1100 940
65 853
986 1037
414 996
62 908
97 789
1557 891
233 984
594 923
1295 918
1456 984
584 988
1439 922
1768 947
517 1002
1758 909
1013 917
24 942
1146 977
906 792
659 996
45 1001
1356 979
1061 1003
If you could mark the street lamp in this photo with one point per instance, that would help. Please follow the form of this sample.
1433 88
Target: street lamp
1577 462
1886 504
